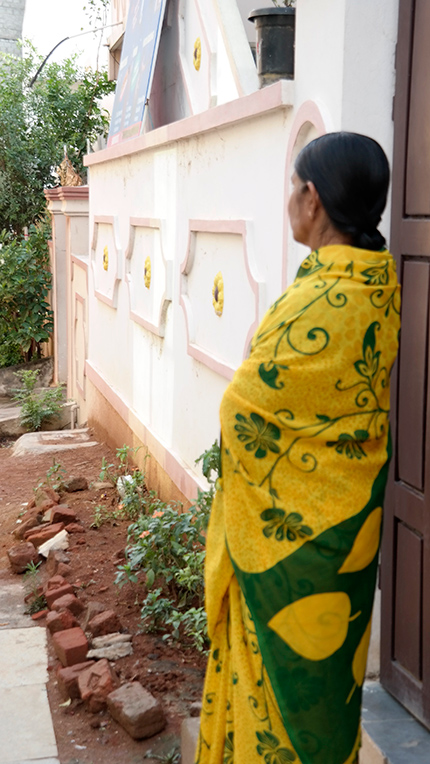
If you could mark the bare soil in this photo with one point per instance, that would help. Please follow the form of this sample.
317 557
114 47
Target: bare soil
173 674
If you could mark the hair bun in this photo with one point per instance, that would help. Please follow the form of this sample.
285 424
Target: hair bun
369 240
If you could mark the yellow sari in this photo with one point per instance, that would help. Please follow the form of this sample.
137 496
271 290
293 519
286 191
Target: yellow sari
294 534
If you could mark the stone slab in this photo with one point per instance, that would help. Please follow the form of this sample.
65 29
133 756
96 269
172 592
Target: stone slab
189 736
12 607
32 761
57 440
26 731
396 736
23 658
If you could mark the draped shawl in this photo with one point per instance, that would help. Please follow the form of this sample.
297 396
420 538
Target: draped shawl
293 540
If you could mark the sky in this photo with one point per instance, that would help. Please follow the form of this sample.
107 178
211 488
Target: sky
46 22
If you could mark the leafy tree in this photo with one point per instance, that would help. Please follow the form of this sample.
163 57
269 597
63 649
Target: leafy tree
26 319
61 110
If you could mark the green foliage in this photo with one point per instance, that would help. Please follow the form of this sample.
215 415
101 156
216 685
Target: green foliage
171 757
111 472
26 319
53 478
34 597
62 109
104 515
166 550
36 405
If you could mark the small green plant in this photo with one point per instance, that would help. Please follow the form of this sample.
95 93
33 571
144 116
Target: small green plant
166 552
37 406
171 757
107 473
287 3
53 478
103 515
34 598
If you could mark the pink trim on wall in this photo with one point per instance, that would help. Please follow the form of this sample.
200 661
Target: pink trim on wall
66 192
105 220
80 263
157 329
183 478
308 113
280 95
81 388
238 227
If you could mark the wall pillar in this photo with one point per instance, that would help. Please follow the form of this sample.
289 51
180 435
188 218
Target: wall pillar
68 206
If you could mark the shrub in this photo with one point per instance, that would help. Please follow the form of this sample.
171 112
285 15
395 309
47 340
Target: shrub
166 550
36 405
26 319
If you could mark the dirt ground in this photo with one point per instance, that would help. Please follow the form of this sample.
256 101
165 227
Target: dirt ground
173 675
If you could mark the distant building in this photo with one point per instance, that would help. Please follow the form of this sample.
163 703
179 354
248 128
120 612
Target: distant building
11 20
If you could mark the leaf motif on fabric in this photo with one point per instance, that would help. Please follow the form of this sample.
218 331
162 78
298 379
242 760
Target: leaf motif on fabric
269 374
257 434
360 656
228 757
273 753
377 275
306 690
315 626
309 265
284 526
366 544
360 660
350 445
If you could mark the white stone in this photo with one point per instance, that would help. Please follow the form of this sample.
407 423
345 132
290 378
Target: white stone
58 542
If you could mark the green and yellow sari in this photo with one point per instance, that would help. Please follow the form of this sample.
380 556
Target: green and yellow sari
293 539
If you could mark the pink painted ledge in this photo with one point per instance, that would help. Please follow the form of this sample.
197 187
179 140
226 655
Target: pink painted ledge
63 193
280 95
184 479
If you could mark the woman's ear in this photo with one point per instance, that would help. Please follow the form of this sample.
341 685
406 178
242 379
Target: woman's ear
314 201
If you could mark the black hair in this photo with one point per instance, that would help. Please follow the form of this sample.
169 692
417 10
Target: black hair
351 174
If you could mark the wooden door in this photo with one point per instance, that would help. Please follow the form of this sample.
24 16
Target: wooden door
405 577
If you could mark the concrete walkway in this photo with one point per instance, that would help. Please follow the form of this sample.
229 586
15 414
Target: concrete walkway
26 730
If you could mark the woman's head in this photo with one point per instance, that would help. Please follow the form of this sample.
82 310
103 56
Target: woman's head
350 175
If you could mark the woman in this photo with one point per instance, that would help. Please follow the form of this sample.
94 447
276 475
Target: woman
294 534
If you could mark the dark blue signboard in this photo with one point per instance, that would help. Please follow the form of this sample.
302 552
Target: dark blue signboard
139 53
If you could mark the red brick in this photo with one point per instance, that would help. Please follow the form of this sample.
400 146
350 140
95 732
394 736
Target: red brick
38 537
96 683
52 595
136 710
54 582
63 514
20 555
42 494
60 621
70 602
40 615
67 679
64 570
93 609
75 528
30 520
55 556
104 623
71 646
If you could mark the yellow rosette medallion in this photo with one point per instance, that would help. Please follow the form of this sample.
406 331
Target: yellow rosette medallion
147 272
218 294
197 54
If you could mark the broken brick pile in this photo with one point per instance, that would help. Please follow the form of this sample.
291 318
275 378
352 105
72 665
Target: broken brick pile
85 638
